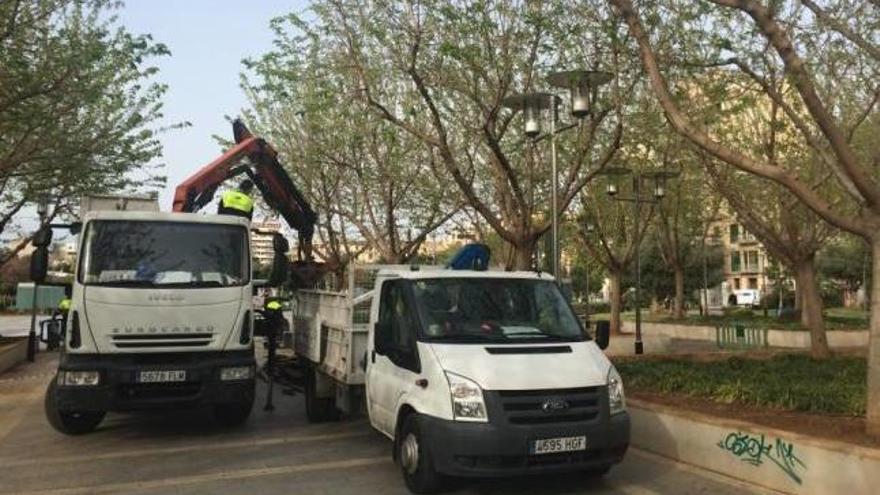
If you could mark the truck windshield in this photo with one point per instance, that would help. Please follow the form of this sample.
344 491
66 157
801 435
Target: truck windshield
494 309
164 254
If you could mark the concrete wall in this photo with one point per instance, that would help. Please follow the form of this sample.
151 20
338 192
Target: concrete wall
776 338
775 459
11 355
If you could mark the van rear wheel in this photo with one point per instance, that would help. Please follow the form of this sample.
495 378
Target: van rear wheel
318 409
69 422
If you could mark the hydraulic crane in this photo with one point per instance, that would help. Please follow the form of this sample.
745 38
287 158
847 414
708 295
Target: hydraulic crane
257 159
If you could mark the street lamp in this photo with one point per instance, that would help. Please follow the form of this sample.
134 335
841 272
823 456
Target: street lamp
581 85
588 232
659 178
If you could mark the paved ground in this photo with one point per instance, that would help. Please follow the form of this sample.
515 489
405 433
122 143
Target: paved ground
278 452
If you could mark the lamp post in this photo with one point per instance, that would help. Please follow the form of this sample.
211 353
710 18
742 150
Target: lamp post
582 85
659 178
32 346
588 231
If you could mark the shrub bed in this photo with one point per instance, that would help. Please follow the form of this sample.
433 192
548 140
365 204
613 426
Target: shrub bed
785 382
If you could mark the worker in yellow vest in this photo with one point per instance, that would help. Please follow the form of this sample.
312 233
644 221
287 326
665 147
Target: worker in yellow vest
274 315
238 201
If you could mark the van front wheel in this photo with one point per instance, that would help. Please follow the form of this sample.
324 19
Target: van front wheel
415 459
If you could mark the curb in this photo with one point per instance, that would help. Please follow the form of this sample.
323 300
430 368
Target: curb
778 460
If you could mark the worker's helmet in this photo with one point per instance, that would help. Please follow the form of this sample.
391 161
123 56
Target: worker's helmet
246 186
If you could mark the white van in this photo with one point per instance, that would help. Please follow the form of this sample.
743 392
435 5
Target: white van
469 373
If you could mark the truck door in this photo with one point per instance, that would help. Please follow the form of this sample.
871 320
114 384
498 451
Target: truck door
393 364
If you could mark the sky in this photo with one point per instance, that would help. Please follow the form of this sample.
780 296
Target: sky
208 39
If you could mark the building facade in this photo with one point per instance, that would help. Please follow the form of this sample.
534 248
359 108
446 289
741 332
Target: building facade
261 241
745 261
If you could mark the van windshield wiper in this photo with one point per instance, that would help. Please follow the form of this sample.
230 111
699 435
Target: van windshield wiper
464 337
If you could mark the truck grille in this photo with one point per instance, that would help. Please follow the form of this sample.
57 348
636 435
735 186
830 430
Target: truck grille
162 340
565 405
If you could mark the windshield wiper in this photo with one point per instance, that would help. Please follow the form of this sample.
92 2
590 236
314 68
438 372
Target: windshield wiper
544 336
125 283
193 284
467 337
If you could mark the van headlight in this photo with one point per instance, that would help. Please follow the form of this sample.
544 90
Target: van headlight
79 378
467 399
616 398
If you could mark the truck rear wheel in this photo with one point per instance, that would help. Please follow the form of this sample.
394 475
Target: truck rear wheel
318 409
235 414
415 459
69 422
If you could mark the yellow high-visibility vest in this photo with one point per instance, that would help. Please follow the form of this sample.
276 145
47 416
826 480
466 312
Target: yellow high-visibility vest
273 305
237 200
64 305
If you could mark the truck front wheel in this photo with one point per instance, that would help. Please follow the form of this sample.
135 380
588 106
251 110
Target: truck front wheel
415 459
318 409
234 414
69 422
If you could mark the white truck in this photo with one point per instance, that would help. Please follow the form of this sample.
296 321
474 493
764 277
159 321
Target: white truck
469 373
160 316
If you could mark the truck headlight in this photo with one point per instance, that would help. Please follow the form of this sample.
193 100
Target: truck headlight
79 378
467 399
616 398
236 373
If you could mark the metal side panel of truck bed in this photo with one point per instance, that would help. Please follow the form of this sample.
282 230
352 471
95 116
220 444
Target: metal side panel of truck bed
329 331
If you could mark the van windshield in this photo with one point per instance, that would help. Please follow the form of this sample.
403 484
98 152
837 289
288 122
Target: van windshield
495 310
124 253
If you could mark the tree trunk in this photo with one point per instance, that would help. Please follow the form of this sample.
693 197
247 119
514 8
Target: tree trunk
616 301
522 256
678 305
811 307
873 413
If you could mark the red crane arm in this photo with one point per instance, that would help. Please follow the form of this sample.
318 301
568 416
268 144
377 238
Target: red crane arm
209 177
265 171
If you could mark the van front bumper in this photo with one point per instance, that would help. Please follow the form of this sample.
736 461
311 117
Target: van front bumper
486 449
119 390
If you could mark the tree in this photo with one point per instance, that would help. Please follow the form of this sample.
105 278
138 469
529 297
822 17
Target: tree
376 188
836 92
613 241
78 110
439 72
846 261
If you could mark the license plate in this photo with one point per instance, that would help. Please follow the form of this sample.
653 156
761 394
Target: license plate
161 376
561 444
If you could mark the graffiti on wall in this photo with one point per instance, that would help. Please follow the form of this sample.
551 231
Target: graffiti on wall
756 449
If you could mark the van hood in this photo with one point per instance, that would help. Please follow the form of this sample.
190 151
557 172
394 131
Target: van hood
526 367
162 320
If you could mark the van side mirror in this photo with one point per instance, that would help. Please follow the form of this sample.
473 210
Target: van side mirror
381 338
603 334
39 264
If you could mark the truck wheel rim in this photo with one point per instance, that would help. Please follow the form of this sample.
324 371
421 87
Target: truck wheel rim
409 453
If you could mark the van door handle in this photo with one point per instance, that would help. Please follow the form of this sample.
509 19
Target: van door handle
373 356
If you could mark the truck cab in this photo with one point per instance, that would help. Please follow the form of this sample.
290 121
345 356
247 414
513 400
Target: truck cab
160 316
482 373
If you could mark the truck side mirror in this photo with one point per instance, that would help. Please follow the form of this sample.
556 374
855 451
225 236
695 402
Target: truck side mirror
279 261
75 228
39 264
43 237
381 337
603 333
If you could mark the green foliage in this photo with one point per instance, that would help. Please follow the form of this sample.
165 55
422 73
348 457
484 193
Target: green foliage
78 105
657 276
786 382
846 261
